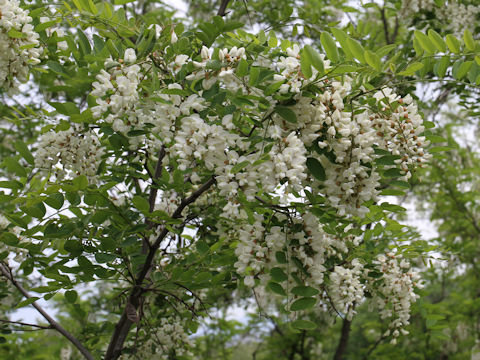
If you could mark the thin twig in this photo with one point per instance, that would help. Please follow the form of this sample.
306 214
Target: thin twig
43 327
5 270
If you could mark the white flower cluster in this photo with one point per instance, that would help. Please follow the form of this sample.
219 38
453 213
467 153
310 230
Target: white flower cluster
70 151
345 288
18 45
394 293
459 17
400 130
116 90
410 8
167 341
456 16
229 58
310 245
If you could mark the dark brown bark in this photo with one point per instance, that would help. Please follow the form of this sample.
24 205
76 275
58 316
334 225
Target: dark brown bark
223 8
342 344
385 26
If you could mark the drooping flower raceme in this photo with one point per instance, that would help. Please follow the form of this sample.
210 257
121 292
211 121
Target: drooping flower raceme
393 293
18 45
72 151
164 341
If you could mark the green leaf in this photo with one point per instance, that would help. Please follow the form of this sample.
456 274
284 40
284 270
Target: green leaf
15 34
281 257
411 69
71 296
242 68
342 37
22 149
314 58
276 288
316 169
45 25
84 43
392 207
238 167
254 74
272 40
387 160
103 258
392 192
78 5
202 247
435 138
278 274
38 210
26 302
453 44
303 325
393 173
437 40
425 42
304 291
463 70
437 149
441 66
141 203
80 182
92 7
286 113
469 41
65 108
385 50
330 47
9 239
373 60
357 49
14 185
418 48
303 304
305 65
13 166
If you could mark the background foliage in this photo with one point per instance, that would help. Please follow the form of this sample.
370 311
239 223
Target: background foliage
84 269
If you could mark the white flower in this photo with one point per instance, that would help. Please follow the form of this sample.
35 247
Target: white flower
173 38
181 59
130 56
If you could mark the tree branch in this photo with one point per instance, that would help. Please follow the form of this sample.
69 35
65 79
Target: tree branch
342 344
5 270
153 195
385 25
26 324
158 173
223 7
123 326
